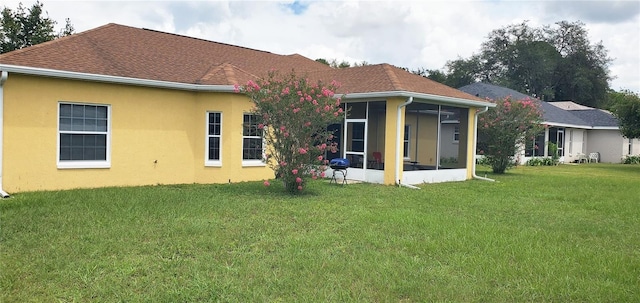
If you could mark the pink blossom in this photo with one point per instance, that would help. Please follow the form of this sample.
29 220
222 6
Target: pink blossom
236 88
266 183
286 134
282 163
314 177
309 98
295 110
299 187
260 126
327 108
336 114
282 128
307 124
285 91
302 151
320 158
294 171
323 146
315 102
322 174
298 180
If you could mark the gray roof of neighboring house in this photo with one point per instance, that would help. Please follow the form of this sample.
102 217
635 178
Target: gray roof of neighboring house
551 113
597 117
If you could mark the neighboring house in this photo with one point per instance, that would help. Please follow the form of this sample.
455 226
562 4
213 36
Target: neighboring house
577 130
121 106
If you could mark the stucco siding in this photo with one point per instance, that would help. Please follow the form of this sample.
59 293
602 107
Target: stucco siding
157 135
609 143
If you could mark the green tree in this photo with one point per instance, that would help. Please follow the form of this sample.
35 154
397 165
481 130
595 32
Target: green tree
503 129
294 114
23 28
552 62
626 107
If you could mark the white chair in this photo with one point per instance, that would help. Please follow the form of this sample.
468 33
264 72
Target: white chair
594 157
582 158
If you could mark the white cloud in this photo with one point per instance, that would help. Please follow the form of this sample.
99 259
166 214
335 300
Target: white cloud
411 34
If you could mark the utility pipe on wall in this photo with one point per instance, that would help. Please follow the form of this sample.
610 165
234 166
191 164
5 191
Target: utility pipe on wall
398 142
3 79
475 145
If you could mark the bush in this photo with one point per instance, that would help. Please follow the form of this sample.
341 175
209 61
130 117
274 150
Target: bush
509 125
542 161
293 115
631 159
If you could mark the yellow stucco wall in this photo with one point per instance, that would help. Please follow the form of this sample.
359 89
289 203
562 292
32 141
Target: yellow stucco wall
390 139
470 139
157 135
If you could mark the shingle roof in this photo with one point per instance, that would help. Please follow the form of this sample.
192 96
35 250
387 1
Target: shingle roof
123 51
553 112
118 50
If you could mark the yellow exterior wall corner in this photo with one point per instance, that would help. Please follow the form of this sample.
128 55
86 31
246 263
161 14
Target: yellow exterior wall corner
390 139
471 140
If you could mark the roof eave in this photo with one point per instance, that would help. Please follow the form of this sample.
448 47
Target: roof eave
556 124
113 79
419 96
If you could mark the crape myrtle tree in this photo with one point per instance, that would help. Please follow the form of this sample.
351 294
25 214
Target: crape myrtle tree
293 114
505 128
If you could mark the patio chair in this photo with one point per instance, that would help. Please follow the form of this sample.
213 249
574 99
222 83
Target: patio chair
594 157
377 160
582 158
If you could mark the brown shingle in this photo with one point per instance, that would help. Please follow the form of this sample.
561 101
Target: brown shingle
124 51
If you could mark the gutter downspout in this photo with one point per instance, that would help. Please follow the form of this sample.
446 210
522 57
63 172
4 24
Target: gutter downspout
398 142
3 79
475 146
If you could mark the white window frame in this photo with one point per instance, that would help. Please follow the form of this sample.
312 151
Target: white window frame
456 131
407 142
207 160
251 162
80 164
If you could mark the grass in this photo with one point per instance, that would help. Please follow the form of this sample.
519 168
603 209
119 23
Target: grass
540 234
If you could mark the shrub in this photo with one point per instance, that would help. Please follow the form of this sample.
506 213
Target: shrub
542 161
509 125
631 159
294 114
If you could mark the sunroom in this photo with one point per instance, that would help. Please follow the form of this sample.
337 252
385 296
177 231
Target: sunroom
430 139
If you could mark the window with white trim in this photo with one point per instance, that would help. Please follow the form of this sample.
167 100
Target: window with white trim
407 135
83 135
252 143
456 133
214 138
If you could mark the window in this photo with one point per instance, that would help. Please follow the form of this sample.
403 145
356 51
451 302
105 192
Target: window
83 136
214 131
456 133
252 145
407 135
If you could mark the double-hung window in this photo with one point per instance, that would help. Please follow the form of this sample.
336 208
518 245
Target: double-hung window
252 141
84 135
214 140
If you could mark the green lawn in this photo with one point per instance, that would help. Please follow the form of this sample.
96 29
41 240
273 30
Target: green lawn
569 233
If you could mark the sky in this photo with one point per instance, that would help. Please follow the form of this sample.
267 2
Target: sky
411 34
